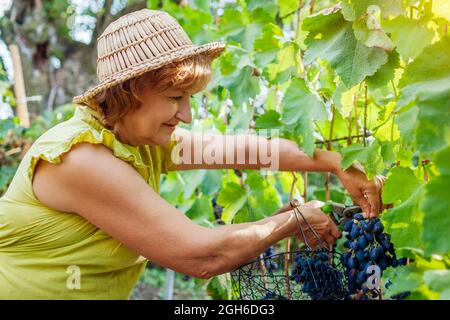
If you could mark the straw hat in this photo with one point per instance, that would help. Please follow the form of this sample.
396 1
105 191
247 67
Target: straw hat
138 42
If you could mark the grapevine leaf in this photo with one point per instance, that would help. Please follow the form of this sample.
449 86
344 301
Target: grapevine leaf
299 103
441 8
194 179
400 184
405 220
354 9
219 287
372 37
242 85
407 124
232 197
385 73
436 207
437 280
268 46
247 38
403 279
211 182
264 198
331 38
268 6
201 211
405 32
285 65
369 157
287 6
426 82
269 120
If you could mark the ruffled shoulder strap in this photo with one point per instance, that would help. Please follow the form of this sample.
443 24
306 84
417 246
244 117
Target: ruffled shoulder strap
85 126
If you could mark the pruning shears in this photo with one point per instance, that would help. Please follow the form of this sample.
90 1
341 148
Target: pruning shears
340 212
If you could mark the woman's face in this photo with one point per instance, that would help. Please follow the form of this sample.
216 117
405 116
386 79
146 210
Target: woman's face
154 122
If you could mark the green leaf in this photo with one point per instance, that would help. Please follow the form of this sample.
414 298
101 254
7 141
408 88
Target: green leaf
219 287
247 38
369 157
285 65
287 6
441 8
268 46
232 197
242 85
332 38
269 120
371 35
193 179
268 6
436 207
354 9
399 186
231 22
263 198
437 280
403 279
426 81
353 153
299 103
405 220
405 32
201 211
211 182
385 73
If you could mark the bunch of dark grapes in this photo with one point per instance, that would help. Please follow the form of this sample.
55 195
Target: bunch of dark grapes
366 245
217 211
268 259
319 278
270 295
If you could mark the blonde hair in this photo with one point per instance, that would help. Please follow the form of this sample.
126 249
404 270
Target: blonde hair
192 74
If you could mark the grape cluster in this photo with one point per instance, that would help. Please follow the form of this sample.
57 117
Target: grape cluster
268 259
367 245
319 278
217 209
270 295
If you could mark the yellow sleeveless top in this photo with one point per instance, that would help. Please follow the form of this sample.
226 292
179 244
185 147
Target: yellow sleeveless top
49 254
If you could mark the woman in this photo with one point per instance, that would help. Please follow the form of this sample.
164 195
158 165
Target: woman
82 214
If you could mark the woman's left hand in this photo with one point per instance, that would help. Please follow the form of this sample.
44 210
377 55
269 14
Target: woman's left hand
366 193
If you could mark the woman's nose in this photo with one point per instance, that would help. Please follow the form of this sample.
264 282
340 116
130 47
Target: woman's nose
184 113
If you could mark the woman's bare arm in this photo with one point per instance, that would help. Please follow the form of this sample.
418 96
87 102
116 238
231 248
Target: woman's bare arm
109 193
281 155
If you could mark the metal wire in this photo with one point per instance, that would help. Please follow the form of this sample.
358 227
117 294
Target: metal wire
249 283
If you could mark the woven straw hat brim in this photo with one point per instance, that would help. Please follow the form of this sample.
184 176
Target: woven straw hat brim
212 50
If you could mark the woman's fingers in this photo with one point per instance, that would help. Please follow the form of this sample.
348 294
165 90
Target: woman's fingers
334 231
364 204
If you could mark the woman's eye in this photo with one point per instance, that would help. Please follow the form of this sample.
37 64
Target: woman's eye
177 98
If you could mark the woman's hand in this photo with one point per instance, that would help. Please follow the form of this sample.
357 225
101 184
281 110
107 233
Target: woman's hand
325 229
366 193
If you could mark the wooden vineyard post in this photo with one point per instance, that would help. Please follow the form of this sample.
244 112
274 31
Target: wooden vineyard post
19 87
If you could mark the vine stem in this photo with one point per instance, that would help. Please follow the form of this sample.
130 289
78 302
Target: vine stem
311 8
345 138
327 177
262 268
355 104
425 172
350 128
365 114
288 242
